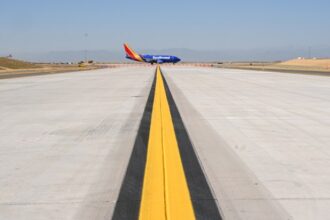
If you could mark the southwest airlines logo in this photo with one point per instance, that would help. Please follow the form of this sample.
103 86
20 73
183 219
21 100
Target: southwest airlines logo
161 57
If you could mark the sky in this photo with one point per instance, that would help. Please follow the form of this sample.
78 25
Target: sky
36 26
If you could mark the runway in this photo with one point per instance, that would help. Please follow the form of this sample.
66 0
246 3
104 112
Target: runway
261 139
65 141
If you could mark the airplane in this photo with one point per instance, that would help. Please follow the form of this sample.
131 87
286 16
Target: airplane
159 59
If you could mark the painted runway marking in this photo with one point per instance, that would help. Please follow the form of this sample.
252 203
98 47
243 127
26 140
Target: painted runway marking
164 179
165 190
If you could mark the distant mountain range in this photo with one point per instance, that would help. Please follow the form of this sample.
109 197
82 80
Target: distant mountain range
185 54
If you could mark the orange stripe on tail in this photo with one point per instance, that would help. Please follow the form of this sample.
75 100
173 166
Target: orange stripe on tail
132 54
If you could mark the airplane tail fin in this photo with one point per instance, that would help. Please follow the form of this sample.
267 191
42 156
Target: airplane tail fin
131 54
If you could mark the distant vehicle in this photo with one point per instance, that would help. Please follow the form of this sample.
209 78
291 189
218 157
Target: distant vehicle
130 54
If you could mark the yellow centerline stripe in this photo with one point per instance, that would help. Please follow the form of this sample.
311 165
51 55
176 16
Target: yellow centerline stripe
165 193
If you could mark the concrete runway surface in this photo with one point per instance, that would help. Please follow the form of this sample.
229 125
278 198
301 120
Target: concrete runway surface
262 139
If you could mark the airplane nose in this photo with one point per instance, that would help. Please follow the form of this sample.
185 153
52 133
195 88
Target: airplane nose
178 59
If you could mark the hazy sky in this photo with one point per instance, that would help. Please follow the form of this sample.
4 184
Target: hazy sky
55 25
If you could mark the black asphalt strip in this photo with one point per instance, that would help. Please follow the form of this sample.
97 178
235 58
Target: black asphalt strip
128 203
204 203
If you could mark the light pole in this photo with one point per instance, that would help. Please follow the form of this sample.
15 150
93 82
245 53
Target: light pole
86 36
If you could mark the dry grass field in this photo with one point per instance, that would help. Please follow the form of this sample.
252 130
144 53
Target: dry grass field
308 63
316 66
10 68
7 63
